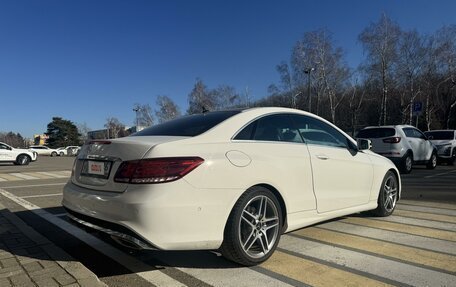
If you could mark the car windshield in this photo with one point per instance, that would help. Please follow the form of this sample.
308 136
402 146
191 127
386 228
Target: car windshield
188 126
373 133
440 135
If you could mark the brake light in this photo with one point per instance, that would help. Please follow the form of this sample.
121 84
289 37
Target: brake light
156 170
392 140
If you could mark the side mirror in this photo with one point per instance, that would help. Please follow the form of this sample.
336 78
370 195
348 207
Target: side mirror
430 137
364 144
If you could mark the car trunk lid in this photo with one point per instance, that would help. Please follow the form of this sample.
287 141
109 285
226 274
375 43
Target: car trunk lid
98 160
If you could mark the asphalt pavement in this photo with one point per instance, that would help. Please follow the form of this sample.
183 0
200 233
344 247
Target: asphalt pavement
414 247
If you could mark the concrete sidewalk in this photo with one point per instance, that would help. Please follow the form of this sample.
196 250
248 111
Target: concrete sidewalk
29 259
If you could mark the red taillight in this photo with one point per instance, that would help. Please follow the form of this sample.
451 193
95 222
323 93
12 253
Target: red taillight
156 170
392 140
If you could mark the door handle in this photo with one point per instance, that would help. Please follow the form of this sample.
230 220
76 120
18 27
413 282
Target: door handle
322 156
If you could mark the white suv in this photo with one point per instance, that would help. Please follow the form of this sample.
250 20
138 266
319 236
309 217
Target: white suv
403 144
44 150
445 142
17 156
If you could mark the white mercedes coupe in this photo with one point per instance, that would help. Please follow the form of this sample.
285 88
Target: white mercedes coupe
228 180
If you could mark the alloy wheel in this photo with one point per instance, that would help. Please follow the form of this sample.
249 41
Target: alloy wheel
259 226
390 193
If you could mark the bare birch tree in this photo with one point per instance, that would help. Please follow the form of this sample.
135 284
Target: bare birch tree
380 42
167 109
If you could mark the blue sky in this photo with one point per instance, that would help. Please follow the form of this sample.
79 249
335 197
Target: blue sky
89 60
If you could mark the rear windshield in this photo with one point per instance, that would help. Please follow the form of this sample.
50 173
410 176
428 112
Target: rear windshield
374 133
188 126
441 135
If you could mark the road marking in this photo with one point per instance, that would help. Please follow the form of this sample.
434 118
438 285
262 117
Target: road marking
427 204
41 195
398 227
2 179
36 174
431 210
156 277
428 216
314 273
9 177
52 174
403 253
23 176
419 222
439 174
399 272
415 241
33 185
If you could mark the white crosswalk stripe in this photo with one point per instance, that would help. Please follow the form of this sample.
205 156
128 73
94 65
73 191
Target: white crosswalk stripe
17 176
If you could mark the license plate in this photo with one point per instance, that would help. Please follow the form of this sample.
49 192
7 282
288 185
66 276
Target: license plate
100 169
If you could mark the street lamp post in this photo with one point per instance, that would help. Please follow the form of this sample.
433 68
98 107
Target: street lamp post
308 71
136 110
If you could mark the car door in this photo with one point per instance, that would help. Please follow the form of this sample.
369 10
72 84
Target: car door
426 147
275 146
5 153
416 144
342 176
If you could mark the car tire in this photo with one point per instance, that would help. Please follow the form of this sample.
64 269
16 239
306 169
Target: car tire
387 196
53 153
407 163
253 229
61 154
22 159
432 163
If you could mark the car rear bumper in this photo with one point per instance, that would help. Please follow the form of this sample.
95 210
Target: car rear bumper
171 216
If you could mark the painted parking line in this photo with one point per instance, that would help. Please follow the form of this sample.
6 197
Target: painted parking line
34 185
23 176
53 174
419 222
42 195
431 210
428 216
15 176
427 204
315 274
379 268
435 260
414 241
439 174
9 177
415 230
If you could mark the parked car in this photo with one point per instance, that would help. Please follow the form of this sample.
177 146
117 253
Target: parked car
69 150
445 142
44 150
403 144
234 180
18 156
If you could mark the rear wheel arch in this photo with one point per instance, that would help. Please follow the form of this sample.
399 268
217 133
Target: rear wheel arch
281 201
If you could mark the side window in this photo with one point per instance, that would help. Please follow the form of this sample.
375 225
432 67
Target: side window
409 132
271 128
317 132
3 146
419 134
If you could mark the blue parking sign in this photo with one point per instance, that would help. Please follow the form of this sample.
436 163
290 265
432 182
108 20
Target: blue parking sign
417 108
